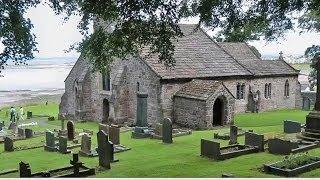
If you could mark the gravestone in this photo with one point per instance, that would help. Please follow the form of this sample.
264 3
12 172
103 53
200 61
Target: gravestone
29 114
167 131
291 126
233 134
104 159
103 127
13 126
70 129
114 134
110 151
210 149
62 124
279 146
24 169
63 145
1 125
142 107
29 133
255 140
50 142
21 132
8 144
306 104
158 129
85 145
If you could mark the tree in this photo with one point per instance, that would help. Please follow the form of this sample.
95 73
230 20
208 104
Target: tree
154 24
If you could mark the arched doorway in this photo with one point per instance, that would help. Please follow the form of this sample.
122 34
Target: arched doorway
218 112
106 109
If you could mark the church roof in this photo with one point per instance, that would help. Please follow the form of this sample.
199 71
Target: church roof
244 55
196 56
200 89
199 56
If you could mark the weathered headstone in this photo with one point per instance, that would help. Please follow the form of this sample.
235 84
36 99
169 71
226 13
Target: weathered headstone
50 142
8 144
85 145
62 124
29 114
306 103
70 128
29 133
24 169
255 140
291 127
103 127
110 151
63 145
142 107
158 129
210 149
114 134
279 146
21 132
233 135
104 159
13 126
167 131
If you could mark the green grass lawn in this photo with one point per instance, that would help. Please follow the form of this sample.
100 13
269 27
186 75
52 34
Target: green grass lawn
152 158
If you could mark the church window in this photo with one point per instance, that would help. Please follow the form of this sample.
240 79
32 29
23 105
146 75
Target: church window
240 91
286 89
106 81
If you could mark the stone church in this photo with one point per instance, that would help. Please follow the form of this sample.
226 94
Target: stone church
210 83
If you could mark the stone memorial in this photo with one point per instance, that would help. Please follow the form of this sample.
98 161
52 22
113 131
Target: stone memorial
210 149
63 145
13 126
255 140
110 151
8 144
85 145
24 170
114 134
50 142
158 129
21 132
167 131
142 108
291 126
29 114
70 130
233 134
104 159
279 146
29 133
306 103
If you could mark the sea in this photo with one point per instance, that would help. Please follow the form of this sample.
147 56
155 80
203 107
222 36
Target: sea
41 77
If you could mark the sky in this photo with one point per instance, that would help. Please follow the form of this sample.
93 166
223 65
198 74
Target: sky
54 36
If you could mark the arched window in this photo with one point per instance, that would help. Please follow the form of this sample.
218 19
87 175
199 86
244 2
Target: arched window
106 81
238 91
269 92
266 89
286 89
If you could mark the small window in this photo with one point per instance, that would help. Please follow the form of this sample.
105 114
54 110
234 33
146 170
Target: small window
269 92
138 86
240 91
286 89
106 81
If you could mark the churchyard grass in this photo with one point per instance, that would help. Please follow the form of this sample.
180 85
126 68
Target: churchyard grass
152 158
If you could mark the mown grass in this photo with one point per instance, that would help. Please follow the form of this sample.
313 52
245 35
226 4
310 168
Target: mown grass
152 158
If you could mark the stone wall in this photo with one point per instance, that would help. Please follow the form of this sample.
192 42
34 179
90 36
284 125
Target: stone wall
277 100
190 113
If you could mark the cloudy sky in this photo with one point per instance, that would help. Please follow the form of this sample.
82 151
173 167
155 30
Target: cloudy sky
54 36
